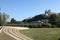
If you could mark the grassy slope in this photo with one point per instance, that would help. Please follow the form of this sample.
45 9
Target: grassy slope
42 33
3 36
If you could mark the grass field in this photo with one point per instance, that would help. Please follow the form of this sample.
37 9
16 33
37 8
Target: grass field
42 33
4 36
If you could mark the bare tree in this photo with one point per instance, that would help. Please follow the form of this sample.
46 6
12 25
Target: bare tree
3 18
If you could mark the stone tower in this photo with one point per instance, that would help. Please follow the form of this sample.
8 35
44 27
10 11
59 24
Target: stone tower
47 12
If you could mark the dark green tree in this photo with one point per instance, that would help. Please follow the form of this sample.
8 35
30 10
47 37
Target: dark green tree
13 20
54 19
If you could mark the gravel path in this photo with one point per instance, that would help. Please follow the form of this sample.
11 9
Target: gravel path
14 32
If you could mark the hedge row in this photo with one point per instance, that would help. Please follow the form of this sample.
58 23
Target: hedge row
34 25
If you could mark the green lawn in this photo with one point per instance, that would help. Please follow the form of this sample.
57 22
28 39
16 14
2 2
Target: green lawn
42 33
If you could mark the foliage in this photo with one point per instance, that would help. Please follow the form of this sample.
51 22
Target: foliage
54 19
13 20
36 18
3 18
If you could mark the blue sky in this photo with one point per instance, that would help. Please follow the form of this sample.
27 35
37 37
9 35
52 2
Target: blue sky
21 9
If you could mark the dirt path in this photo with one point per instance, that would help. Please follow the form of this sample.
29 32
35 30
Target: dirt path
14 32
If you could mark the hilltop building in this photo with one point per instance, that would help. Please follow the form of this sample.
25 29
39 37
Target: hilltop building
48 12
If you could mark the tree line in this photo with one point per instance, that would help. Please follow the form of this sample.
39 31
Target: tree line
47 20
39 21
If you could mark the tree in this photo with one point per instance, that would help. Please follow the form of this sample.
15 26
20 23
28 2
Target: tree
3 18
54 19
13 20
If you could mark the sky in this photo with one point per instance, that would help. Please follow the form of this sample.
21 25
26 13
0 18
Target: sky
21 9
